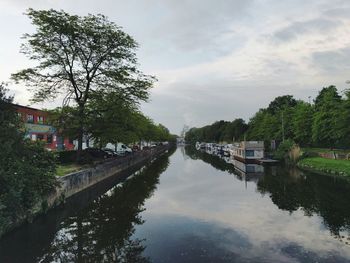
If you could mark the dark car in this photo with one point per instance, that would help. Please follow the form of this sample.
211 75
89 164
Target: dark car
97 153
110 152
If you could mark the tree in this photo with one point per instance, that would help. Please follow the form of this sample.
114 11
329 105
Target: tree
281 103
111 119
27 170
326 96
78 57
302 123
327 122
265 126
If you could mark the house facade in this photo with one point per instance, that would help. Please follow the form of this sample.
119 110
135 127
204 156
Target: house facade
38 129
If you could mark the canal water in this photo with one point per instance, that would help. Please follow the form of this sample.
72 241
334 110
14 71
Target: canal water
189 206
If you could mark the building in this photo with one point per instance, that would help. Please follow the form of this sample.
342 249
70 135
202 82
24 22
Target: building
249 151
38 129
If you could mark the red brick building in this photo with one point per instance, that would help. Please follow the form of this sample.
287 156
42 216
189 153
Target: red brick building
37 128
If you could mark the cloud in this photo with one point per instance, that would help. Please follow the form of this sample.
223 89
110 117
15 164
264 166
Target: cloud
333 61
297 29
214 59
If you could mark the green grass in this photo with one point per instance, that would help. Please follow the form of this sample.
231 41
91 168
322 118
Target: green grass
68 168
330 166
324 150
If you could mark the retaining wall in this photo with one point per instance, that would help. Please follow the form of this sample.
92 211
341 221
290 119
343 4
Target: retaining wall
75 182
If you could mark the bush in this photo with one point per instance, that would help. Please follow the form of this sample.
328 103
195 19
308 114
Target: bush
283 149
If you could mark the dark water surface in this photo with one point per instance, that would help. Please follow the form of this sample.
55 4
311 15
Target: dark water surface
189 206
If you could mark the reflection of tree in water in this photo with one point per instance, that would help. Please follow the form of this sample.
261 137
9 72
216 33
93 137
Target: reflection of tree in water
324 195
290 189
102 232
213 160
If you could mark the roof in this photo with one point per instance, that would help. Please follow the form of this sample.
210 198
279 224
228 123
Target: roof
26 107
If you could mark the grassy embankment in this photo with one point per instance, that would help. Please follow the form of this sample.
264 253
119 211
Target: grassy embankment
323 165
64 169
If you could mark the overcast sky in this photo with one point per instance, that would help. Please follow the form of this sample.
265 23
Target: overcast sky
214 59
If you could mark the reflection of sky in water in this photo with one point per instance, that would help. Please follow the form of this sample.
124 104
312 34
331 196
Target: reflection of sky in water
200 214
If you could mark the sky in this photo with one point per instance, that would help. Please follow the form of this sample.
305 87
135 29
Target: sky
214 60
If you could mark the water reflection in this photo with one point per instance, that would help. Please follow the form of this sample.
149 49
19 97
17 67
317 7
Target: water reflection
291 189
99 232
327 196
102 232
243 171
194 207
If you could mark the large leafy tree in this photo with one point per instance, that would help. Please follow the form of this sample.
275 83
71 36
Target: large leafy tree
328 118
281 103
78 57
302 123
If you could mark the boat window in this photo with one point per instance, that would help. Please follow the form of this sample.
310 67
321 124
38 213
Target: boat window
249 153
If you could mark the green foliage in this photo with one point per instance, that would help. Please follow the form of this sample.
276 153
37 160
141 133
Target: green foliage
84 58
264 126
302 123
27 170
283 149
330 127
326 123
282 103
218 132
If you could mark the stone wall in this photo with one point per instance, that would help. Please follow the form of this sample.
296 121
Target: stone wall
75 182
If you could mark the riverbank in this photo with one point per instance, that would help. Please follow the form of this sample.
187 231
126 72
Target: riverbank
326 166
77 182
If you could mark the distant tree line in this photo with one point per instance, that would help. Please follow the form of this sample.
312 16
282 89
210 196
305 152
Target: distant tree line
323 123
220 131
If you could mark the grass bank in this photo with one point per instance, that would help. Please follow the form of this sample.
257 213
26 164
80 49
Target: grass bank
328 166
65 169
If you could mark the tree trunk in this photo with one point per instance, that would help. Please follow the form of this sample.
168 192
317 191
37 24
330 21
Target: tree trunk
80 145
81 132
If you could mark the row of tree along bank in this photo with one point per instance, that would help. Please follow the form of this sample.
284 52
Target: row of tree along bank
323 123
91 64
294 125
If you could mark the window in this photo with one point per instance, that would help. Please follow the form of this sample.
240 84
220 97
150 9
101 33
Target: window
49 139
40 119
249 153
30 118
40 137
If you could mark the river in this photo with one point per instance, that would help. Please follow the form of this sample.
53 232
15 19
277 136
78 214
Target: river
189 206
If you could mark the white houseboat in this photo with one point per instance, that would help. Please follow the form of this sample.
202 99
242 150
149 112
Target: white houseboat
248 151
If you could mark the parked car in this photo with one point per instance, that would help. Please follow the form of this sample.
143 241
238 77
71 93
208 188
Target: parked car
110 152
123 149
97 153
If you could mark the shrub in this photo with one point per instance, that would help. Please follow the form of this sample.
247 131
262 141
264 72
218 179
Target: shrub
283 149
